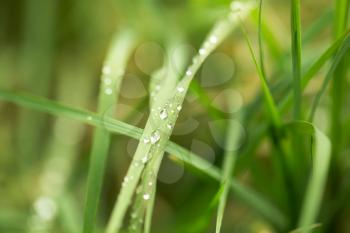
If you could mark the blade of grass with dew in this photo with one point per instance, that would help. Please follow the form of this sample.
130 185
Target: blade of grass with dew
112 73
320 164
232 138
342 51
296 56
149 152
162 85
157 132
169 83
245 194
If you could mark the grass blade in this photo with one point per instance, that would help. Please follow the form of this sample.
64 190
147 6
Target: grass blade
296 56
158 132
342 51
113 71
317 180
245 194
232 138
270 103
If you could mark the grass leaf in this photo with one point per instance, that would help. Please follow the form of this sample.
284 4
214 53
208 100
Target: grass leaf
296 56
112 73
317 180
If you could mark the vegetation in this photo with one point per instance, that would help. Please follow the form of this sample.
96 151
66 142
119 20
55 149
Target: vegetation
210 116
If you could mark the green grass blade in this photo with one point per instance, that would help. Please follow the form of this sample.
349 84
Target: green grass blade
170 106
232 138
260 38
245 194
315 68
341 16
343 50
316 185
270 103
113 71
296 56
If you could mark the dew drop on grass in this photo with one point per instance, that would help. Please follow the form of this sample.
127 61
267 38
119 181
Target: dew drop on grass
106 70
179 107
169 126
213 39
108 91
188 72
155 137
146 196
163 114
136 164
146 140
107 81
144 159
150 183
180 89
202 51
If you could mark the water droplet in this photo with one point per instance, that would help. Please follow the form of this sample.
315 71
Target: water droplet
163 114
106 70
158 87
136 164
213 39
180 89
108 91
146 196
188 72
107 81
202 51
179 107
155 137
169 126
146 140
144 159
150 183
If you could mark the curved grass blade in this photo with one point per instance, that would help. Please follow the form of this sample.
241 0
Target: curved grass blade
342 51
261 49
245 194
112 73
270 103
232 138
296 56
316 183
162 84
317 180
157 131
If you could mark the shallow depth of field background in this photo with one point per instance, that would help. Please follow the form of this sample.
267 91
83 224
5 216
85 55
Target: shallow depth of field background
56 49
